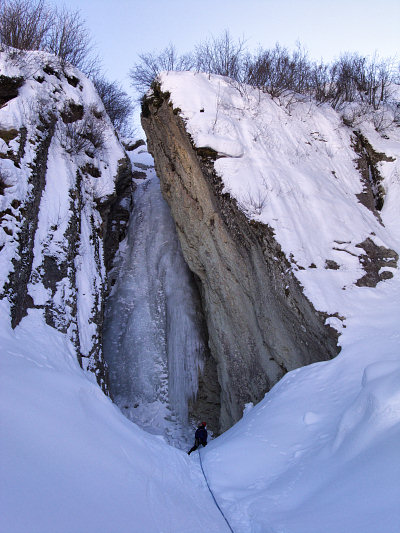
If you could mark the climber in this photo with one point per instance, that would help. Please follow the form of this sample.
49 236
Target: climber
200 437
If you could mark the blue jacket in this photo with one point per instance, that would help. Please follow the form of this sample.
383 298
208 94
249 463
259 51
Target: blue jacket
201 434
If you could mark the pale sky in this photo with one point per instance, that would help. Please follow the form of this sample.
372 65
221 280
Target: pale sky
124 28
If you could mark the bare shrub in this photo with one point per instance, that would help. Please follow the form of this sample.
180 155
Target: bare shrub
116 102
383 119
353 114
38 25
354 85
94 130
381 84
355 78
285 75
151 64
220 55
86 135
254 203
70 138
396 113
321 82
346 75
279 72
69 39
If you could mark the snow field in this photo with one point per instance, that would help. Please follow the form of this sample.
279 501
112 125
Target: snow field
319 453
71 462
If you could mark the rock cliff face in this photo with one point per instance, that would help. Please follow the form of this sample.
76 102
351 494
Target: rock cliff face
65 189
260 324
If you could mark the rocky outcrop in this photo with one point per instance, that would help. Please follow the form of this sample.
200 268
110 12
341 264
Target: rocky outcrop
374 262
65 193
115 211
17 287
260 324
9 86
373 194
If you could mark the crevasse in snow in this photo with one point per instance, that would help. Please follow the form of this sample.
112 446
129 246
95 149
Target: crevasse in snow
153 339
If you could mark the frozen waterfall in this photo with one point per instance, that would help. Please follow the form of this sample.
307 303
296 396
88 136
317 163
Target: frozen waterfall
153 336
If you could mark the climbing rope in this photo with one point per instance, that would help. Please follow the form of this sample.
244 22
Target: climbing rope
212 494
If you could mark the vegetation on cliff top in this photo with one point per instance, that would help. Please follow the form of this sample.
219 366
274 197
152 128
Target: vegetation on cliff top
39 25
353 84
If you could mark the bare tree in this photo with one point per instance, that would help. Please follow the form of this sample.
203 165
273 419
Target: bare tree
24 24
383 83
323 84
218 55
86 135
37 25
271 71
280 72
352 79
359 79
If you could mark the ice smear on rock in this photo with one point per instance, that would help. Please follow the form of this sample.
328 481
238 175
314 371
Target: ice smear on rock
153 339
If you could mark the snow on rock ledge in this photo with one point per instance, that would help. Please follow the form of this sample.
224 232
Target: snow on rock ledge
60 164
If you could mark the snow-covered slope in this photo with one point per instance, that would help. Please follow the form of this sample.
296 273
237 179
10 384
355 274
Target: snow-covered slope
71 463
294 168
60 159
320 452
